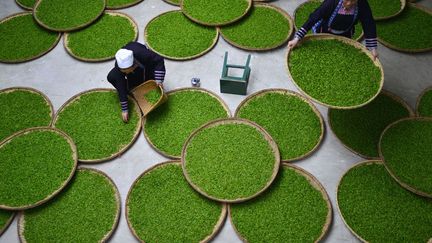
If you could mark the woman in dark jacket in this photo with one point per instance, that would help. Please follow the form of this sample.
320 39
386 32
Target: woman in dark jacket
339 17
134 65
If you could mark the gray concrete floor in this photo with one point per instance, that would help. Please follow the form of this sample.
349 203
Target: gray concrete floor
60 77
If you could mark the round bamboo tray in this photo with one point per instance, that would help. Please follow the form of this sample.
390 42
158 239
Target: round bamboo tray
65 182
313 182
209 237
224 121
387 93
276 45
22 222
288 93
214 24
112 13
215 39
353 43
124 148
32 57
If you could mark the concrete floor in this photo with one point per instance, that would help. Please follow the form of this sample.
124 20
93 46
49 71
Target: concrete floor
60 77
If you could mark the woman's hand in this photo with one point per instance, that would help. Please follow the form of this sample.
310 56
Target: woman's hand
125 116
374 54
293 43
160 85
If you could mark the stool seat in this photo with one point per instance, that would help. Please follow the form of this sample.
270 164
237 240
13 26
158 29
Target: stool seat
232 84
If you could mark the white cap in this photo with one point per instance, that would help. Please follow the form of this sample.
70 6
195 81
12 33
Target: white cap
124 58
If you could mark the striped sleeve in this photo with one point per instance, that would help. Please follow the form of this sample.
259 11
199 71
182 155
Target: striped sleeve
371 43
300 33
159 76
124 106
368 24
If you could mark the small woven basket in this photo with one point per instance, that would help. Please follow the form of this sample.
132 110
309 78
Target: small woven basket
139 92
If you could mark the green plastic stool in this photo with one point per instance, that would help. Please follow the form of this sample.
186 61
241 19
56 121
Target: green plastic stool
234 85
